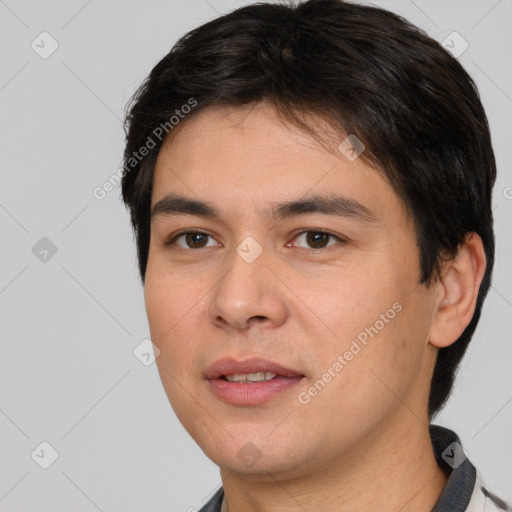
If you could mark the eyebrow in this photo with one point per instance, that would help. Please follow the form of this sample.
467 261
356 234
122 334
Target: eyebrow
335 205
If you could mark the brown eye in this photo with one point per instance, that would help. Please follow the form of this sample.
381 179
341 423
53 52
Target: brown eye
192 240
316 239
196 239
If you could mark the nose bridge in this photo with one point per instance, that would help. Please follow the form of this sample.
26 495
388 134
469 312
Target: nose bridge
246 291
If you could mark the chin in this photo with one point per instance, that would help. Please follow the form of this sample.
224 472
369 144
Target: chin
258 457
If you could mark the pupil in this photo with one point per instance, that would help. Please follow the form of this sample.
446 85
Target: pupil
192 238
315 237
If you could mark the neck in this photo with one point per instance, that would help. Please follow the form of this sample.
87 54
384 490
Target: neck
387 471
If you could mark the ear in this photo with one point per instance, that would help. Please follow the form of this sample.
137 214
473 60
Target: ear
457 292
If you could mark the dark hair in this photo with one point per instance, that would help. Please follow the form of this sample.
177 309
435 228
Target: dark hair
367 72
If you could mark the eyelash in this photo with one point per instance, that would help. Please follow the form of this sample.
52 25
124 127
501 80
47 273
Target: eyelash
173 238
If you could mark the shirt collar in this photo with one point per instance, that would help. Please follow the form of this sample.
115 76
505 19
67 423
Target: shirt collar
451 458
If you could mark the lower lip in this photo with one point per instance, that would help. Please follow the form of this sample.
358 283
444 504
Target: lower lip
252 393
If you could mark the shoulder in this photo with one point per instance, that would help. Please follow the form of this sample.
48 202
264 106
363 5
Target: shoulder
483 500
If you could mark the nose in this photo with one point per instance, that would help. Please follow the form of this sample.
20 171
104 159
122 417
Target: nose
248 294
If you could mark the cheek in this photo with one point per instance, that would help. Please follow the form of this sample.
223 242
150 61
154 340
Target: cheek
168 298
382 362
170 313
380 331
172 309
350 303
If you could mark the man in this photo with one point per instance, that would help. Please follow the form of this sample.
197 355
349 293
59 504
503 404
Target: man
310 188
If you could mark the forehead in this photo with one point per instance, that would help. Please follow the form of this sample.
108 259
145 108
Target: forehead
230 158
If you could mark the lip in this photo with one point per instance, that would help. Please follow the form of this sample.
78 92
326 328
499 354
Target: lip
250 393
229 366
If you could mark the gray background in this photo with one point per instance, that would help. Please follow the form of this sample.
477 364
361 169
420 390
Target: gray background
70 323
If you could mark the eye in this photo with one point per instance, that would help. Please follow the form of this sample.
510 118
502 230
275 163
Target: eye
192 239
317 238
196 239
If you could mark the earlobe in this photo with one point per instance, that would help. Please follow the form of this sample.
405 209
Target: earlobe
458 291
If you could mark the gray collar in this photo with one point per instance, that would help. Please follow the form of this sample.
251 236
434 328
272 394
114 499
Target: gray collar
461 473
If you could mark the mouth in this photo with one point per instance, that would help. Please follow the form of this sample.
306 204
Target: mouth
254 369
250 382
249 377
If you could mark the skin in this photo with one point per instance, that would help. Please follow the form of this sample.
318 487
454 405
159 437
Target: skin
301 305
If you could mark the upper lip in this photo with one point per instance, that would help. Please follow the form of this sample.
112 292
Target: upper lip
230 366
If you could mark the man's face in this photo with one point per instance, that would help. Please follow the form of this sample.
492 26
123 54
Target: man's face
342 310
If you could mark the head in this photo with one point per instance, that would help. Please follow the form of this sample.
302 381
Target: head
258 108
